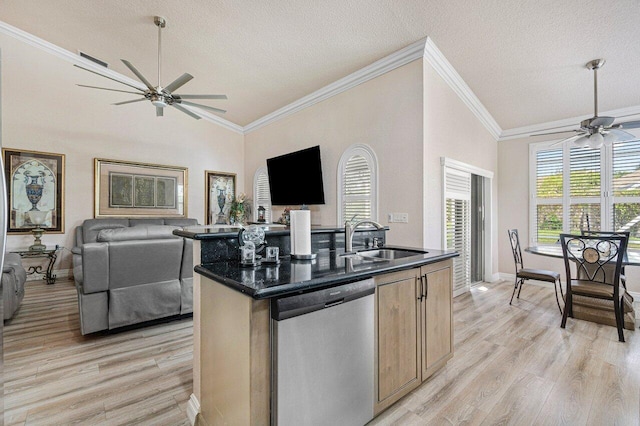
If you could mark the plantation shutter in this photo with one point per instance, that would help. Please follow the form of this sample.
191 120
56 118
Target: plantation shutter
457 193
548 196
262 196
584 189
357 189
625 194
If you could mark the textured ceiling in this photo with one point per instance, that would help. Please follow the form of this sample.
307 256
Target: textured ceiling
523 59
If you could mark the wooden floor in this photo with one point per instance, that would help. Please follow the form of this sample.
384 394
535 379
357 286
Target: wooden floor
512 365
55 376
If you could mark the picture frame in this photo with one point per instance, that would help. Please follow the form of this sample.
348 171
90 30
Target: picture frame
35 190
126 189
219 193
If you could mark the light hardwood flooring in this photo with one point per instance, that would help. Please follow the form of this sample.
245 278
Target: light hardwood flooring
512 365
55 376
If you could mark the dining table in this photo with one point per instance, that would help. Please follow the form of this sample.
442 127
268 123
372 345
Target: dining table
631 258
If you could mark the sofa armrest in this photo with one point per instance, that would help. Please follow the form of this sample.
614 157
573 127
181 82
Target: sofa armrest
76 250
95 267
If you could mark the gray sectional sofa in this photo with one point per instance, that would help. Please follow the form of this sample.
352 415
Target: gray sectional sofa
13 279
129 271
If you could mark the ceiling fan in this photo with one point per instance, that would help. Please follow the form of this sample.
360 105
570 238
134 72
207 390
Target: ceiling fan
596 131
160 96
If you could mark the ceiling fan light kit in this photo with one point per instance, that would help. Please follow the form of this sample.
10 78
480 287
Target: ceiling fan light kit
597 131
160 97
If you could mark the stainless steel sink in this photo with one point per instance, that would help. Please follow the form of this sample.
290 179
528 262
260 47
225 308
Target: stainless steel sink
389 253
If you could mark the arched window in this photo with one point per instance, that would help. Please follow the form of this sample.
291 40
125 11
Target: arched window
261 195
358 184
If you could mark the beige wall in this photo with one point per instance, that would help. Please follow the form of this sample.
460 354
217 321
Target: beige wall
513 184
44 110
451 130
384 113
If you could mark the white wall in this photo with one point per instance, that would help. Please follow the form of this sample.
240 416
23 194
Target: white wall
386 114
452 130
44 110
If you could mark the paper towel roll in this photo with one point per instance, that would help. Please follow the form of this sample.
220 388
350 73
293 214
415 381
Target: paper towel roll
300 232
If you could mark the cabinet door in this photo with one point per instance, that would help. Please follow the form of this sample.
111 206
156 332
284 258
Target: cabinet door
437 319
398 336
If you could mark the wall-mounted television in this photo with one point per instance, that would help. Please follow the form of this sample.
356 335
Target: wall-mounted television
296 178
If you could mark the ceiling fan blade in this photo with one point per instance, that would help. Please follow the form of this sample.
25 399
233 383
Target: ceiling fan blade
111 90
571 139
178 82
200 96
130 102
557 133
622 135
221 111
138 74
629 125
601 121
186 111
159 111
102 75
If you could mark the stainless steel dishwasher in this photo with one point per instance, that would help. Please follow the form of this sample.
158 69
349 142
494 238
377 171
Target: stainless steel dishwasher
323 356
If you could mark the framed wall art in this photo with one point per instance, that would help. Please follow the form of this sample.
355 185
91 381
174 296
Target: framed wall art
124 188
220 191
35 190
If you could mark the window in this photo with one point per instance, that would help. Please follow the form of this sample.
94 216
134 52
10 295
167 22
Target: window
457 202
261 194
358 184
575 189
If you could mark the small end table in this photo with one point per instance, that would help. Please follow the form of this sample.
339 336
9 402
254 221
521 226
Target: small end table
50 253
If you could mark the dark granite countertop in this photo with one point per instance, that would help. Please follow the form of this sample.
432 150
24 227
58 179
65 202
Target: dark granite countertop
209 233
330 268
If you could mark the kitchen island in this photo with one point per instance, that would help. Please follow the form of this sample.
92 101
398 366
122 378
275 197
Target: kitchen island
235 352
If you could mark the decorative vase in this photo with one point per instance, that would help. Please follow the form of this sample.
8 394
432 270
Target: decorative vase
34 191
222 198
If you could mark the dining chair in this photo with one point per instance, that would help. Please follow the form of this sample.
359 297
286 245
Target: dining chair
523 273
623 276
593 264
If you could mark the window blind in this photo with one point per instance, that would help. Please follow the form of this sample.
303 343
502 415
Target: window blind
457 189
625 205
262 195
356 191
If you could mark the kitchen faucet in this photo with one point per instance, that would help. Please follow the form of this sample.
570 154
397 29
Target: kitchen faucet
349 229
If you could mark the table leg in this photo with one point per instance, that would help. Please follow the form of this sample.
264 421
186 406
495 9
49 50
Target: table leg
49 276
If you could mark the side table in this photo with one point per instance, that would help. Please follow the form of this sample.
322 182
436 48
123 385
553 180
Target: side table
49 253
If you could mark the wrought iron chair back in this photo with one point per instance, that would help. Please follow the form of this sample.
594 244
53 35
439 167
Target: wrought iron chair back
514 239
594 260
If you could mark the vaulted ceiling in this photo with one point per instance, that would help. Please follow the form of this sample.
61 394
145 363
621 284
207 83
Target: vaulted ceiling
524 59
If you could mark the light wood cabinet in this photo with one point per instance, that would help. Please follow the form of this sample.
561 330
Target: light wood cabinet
414 329
398 337
436 317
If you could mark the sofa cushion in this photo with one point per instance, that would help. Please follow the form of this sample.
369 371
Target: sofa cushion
146 222
181 221
150 232
91 227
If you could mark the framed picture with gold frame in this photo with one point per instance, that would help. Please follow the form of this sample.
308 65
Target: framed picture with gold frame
125 189
35 191
220 191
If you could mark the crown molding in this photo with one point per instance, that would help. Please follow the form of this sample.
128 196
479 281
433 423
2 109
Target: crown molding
388 63
75 59
444 68
566 124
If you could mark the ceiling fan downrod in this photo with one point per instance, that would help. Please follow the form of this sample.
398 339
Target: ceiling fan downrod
160 23
594 66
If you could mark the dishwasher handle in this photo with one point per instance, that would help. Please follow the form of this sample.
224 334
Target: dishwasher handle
292 306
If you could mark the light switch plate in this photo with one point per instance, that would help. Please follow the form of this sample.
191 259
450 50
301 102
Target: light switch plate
398 217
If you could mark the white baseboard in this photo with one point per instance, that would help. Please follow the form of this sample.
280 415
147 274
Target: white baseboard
193 408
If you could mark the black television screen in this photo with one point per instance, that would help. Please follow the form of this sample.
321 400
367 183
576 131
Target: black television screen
296 178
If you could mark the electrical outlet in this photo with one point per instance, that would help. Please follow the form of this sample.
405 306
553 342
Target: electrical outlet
398 217
390 217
